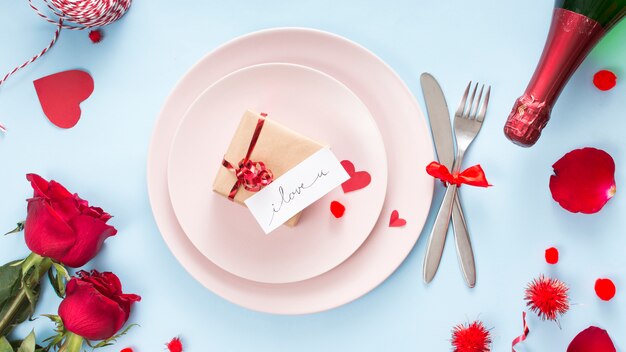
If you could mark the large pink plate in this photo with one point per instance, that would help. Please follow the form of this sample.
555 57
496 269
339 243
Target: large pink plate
407 142
302 99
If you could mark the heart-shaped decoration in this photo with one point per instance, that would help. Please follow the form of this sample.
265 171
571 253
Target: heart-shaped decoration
358 179
337 209
395 220
60 95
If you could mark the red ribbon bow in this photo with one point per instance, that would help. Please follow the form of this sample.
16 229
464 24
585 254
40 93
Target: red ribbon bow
252 175
473 176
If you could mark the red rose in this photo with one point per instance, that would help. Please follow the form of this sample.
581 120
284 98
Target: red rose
62 226
94 306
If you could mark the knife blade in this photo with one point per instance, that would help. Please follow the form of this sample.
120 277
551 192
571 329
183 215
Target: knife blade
441 129
439 118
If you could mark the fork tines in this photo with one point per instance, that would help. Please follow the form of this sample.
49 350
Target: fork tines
470 111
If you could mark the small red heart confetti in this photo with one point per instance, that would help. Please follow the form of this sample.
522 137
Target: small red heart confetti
60 95
337 209
127 349
358 179
605 289
552 255
604 80
395 220
2 128
175 345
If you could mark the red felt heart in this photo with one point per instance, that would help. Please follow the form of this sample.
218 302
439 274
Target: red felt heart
337 209
395 220
358 179
60 95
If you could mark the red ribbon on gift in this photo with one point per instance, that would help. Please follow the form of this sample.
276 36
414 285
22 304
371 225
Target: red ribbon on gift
252 175
473 176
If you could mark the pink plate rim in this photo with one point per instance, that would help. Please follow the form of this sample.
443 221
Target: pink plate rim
371 264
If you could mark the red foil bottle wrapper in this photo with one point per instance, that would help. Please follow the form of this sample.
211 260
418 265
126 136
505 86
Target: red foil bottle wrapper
571 38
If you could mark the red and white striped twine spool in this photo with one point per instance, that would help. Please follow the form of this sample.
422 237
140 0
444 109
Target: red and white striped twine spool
83 14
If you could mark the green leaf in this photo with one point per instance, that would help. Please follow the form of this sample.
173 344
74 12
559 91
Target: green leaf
10 280
5 346
28 345
58 276
19 228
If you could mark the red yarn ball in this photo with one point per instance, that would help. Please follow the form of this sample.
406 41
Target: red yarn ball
547 297
472 337
604 80
605 289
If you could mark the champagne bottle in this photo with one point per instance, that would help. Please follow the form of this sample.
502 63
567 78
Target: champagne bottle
577 26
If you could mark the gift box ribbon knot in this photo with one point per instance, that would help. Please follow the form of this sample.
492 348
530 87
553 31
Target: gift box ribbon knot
252 175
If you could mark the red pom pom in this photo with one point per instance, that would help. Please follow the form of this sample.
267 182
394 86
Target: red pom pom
547 297
95 36
592 339
552 255
604 80
473 337
127 349
583 180
605 289
175 345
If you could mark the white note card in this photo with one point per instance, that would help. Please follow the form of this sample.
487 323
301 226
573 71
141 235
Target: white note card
296 189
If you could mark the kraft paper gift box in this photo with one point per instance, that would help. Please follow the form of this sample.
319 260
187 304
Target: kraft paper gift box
278 147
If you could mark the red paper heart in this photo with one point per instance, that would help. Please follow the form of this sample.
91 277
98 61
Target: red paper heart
337 209
395 220
60 95
358 179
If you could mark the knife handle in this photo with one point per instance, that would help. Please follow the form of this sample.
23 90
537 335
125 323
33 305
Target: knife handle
438 234
463 244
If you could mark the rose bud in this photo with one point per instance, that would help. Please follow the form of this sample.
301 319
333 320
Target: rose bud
94 306
62 226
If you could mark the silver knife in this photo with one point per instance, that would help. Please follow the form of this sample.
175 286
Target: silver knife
441 129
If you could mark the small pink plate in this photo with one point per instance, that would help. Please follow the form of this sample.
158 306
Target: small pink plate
309 102
409 150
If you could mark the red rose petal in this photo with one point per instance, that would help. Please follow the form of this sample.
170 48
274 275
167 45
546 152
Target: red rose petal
552 255
583 180
605 289
592 339
337 209
604 80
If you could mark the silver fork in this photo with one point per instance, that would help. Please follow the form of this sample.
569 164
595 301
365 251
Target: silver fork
467 123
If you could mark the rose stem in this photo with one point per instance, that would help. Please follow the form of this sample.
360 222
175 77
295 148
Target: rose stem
72 343
17 303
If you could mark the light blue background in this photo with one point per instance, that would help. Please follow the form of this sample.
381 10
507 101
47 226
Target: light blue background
143 56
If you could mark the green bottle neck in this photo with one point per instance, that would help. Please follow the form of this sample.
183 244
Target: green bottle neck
606 12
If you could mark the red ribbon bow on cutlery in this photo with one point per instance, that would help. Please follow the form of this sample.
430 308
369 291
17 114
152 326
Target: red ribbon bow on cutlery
473 176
